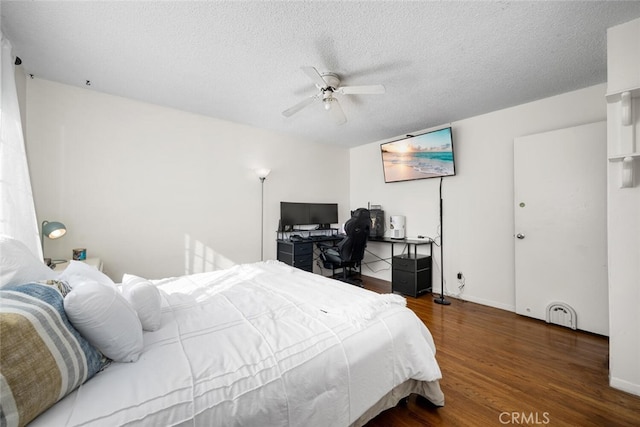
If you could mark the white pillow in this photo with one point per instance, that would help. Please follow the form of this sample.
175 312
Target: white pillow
145 299
105 319
80 272
18 265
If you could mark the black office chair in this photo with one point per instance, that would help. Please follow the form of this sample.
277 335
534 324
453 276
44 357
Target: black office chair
348 253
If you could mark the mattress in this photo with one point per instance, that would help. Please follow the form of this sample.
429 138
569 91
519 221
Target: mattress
262 344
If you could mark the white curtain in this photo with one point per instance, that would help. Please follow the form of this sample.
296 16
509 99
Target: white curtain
17 209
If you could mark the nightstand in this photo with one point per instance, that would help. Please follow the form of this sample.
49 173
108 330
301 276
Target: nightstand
95 262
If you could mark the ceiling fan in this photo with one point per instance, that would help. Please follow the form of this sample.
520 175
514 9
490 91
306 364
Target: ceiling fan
328 85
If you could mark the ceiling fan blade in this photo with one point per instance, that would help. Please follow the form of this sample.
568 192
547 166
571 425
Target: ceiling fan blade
335 111
299 106
361 90
315 76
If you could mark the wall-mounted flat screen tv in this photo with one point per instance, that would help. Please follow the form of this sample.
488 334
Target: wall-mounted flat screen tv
428 155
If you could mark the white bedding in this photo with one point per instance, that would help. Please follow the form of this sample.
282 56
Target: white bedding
259 344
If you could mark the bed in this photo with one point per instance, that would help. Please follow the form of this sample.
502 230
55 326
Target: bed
260 344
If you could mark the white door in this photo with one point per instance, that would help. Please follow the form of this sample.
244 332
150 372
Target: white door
560 241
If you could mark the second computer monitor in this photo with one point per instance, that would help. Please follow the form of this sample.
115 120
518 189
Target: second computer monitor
323 214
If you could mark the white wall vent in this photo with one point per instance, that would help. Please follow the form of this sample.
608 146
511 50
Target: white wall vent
562 314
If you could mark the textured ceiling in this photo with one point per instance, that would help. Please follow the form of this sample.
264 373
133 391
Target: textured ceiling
240 61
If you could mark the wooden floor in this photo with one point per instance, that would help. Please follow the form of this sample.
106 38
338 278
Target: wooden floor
499 368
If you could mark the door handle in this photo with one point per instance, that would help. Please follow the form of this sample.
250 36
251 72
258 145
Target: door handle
520 236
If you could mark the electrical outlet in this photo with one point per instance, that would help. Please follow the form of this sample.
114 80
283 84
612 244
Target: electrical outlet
459 276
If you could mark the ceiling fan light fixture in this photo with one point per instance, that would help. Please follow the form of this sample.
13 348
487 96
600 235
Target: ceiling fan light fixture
328 84
327 98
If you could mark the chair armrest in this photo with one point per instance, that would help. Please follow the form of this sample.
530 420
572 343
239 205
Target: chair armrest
324 245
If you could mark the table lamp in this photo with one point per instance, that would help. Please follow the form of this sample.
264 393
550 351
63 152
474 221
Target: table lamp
52 230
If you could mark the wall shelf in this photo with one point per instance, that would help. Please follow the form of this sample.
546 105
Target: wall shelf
620 157
615 96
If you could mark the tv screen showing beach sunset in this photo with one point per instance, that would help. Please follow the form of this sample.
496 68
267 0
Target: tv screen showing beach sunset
429 155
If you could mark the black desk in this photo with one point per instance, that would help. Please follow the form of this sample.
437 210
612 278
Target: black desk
408 242
410 272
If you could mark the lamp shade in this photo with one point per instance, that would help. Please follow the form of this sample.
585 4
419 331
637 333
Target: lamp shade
53 229
263 173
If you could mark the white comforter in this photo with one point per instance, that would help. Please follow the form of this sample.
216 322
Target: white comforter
259 345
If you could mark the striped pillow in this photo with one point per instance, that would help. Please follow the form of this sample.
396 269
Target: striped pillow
42 357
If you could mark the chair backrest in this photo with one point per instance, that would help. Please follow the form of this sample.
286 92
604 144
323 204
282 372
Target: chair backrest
351 248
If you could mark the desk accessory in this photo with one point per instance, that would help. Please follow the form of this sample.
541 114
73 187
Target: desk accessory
79 254
397 225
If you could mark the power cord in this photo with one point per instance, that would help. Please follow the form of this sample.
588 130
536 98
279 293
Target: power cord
460 277
379 259
461 283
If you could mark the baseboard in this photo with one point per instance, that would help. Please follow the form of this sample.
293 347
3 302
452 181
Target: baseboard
625 386
436 292
486 302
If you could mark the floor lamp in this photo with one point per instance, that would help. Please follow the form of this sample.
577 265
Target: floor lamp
262 175
441 299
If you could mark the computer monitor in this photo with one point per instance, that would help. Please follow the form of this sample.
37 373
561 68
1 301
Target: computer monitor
323 214
292 214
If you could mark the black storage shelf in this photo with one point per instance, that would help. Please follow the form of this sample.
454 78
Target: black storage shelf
411 274
296 254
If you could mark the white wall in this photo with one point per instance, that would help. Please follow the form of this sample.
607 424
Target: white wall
478 201
623 67
624 267
159 192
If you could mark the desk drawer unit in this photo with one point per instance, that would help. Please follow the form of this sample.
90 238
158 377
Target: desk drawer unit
296 254
411 274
